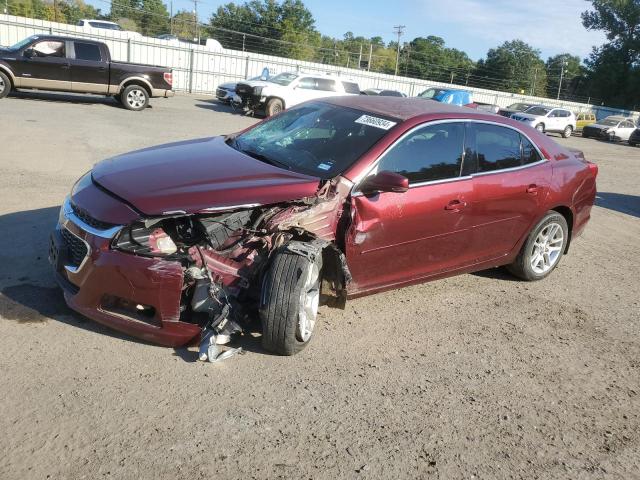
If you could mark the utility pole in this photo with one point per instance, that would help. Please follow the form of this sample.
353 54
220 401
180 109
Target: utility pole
360 58
171 4
535 78
55 10
562 65
398 31
370 55
195 12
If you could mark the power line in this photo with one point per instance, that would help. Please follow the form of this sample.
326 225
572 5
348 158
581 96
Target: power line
398 30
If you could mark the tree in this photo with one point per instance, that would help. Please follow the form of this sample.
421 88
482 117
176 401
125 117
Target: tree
75 10
613 70
286 28
514 67
568 66
184 25
430 58
154 18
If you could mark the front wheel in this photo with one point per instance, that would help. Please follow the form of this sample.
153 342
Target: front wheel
566 133
5 85
290 300
135 98
274 106
540 127
543 249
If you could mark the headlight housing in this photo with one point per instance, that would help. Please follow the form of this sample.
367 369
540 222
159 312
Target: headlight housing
142 240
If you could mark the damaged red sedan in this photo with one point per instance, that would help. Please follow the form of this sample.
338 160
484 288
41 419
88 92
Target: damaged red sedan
328 200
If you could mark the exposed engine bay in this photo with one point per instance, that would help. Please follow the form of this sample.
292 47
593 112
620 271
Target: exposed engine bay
224 256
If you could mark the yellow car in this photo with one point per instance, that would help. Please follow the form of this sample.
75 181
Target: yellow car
584 119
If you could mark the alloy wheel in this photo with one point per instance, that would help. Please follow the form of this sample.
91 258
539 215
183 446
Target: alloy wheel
136 98
2 86
309 302
547 248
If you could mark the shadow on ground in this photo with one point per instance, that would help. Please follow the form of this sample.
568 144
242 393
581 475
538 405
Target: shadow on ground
629 204
216 106
67 98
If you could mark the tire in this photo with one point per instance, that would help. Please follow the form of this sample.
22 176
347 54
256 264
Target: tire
540 127
274 106
5 85
525 265
566 133
585 135
292 282
135 98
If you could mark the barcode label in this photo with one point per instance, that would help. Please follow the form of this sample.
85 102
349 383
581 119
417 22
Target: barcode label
375 122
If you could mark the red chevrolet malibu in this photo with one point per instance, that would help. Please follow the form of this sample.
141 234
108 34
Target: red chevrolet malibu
329 200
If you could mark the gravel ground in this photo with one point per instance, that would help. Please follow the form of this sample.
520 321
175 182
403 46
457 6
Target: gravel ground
476 376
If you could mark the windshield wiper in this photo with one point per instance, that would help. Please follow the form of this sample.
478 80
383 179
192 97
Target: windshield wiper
265 159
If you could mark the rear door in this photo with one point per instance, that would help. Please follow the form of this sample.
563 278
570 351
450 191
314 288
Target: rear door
89 70
510 183
625 130
47 68
399 237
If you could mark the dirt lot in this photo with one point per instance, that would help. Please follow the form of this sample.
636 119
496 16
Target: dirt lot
477 376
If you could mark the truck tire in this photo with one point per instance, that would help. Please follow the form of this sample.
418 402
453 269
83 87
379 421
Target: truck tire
5 85
289 303
274 106
135 97
543 249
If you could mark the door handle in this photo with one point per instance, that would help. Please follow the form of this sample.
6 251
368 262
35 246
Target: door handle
455 205
532 189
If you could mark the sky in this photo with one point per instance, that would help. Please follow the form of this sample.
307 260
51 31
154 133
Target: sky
474 26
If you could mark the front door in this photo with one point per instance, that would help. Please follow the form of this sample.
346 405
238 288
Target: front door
47 68
509 188
395 238
89 71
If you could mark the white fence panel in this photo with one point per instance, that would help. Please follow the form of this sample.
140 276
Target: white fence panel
199 69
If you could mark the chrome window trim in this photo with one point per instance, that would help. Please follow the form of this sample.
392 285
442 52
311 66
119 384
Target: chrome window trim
69 215
358 180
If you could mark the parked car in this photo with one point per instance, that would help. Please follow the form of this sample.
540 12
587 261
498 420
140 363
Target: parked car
291 88
383 92
612 128
634 138
226 92
458 97
584 119
548 119
99 26
515 108
48 62
334 198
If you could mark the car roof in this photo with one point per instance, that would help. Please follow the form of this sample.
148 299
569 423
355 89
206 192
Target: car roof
401 108
63 38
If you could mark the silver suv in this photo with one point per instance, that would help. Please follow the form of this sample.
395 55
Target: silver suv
548 119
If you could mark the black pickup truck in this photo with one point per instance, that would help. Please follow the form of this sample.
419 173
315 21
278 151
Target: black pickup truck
48 62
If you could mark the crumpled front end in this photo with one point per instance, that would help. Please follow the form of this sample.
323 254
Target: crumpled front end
167 279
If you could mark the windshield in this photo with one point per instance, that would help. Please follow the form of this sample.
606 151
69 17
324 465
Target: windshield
316 139
608 122
518 107
23 43
283 79
432 93
537 111
105 25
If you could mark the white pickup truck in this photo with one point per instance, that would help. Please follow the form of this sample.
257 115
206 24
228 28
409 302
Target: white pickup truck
288 89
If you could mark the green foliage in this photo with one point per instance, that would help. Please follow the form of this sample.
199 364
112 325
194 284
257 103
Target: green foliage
572 80
149 17
184 25
430 58
613 69
514 67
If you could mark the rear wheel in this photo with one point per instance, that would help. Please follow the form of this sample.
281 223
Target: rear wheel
5 85
540 127
135 97
274 106
290 300
543 249
566 133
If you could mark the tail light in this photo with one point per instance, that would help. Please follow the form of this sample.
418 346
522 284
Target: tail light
168 77
593 168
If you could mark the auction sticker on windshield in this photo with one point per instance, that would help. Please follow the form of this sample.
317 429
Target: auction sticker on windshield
375 122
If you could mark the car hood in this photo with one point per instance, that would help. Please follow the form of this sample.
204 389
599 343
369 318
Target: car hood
528 116
228 85
198 176
601 127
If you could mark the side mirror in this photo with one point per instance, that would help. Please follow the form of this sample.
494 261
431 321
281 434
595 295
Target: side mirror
29 53
385 181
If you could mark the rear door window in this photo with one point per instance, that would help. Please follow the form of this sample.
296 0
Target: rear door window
529 152
307 83
87 51
496 147
433 152
325 84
